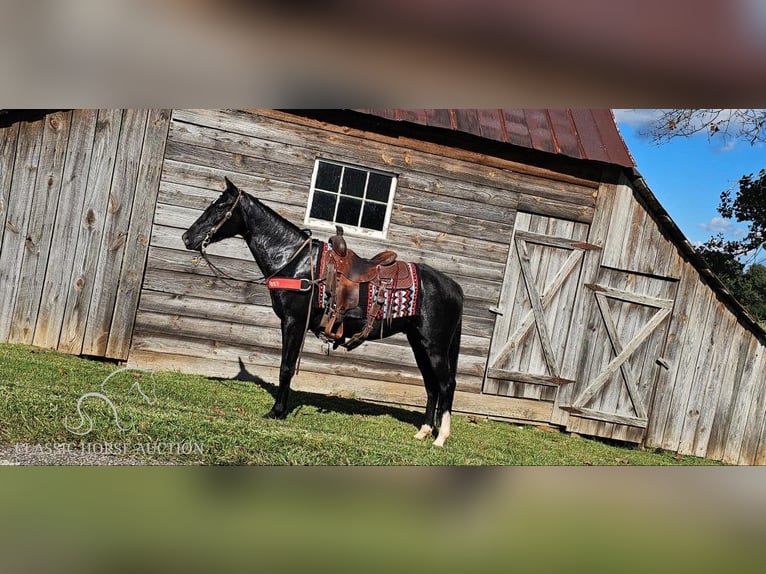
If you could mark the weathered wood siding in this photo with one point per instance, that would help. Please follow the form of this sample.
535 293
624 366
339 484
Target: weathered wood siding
701 375
711 399
455 215
78 191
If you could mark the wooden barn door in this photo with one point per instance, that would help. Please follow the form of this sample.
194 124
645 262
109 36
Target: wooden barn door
535 308
625 317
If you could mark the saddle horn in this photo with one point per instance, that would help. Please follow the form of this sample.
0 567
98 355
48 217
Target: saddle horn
338 243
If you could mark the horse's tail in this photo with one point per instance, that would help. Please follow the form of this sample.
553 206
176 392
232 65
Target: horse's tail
454 354
454 349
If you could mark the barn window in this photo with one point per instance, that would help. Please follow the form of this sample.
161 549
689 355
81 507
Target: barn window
357 198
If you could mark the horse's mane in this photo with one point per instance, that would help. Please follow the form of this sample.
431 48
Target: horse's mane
271 211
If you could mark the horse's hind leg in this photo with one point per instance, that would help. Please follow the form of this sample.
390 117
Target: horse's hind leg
446 392
439 380
447 387
430 382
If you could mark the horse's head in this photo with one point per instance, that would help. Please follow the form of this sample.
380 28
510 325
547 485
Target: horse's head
220 220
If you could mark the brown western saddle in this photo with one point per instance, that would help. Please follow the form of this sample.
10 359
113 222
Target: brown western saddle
345 271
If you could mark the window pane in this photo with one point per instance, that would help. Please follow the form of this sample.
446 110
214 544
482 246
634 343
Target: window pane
374 216
323 206
348 211
328 176
379 187
353 182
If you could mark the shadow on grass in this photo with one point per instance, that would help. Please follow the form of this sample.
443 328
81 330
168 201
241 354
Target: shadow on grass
325 403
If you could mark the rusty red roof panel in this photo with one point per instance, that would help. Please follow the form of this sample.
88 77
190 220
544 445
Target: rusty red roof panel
491 125
516 128
589 134
439 119
540 133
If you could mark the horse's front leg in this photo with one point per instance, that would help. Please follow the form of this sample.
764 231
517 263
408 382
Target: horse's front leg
292 336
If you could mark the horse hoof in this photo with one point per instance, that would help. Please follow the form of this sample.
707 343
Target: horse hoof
424 431
439 441
272 414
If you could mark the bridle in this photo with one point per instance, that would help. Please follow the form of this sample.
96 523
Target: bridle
306 285
214 229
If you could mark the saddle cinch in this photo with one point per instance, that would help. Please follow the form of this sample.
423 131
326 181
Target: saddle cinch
345 271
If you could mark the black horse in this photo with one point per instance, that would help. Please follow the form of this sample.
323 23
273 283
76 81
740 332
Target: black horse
281 248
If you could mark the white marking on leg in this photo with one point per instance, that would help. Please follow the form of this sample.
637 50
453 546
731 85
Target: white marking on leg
424 431
443 429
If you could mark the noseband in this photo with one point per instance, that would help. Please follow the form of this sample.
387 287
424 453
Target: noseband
226 217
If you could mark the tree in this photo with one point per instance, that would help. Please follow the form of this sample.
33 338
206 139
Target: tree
748 125
738 263
752 291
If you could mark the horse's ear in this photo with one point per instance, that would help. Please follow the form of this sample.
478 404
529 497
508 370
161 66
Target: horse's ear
230 187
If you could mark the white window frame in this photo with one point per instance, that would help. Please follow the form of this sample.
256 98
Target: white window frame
322 224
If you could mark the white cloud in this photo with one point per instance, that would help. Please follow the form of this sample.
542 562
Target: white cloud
637 119
728 144
725 226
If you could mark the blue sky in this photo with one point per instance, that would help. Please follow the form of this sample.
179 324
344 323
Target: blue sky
688 174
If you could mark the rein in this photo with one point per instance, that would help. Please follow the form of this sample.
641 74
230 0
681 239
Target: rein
271 282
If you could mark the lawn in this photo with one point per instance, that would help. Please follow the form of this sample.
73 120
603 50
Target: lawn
189 419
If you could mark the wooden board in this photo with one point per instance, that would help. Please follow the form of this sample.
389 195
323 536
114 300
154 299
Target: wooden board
743 401
690 354
89 240
138 234
8 139
65 230
25 169
293 130
115 233
707 372
39 231
741 352
679 348
265 351
753 445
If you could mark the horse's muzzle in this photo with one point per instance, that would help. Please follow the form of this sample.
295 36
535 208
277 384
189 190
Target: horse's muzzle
189 243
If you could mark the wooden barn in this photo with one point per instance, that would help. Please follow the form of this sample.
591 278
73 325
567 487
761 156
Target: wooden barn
586 308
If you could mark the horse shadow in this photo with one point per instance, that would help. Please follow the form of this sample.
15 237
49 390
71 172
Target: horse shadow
327 403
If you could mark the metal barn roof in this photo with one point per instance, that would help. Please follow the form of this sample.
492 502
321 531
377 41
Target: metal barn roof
589 134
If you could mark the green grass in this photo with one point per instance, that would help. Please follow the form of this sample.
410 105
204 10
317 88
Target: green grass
220 422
